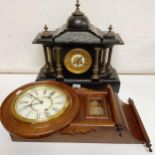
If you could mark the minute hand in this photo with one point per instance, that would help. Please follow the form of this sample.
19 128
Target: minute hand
35 97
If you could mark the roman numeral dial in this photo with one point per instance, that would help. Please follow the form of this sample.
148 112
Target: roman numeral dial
41 103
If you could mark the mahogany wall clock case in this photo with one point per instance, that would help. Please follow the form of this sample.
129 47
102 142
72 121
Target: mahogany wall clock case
54 112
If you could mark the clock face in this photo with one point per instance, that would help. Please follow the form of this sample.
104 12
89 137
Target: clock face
40 104
40 108
78 61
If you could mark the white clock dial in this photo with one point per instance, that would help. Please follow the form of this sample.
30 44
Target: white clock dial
40 103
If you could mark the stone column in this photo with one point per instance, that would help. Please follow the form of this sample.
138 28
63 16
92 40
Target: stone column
96 64
58 63
47 64
103 65
50 59
108 67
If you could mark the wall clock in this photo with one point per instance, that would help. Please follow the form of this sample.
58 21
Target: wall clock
54 111
38 109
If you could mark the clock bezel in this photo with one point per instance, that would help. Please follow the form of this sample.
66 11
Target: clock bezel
21 93
83 69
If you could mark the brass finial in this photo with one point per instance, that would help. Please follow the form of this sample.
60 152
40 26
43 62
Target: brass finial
45 28
110 28
110 34
77 11
46 33
77 5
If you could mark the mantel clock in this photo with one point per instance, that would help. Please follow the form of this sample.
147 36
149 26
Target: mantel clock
79 54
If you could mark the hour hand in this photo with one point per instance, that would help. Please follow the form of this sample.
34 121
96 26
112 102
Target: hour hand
79 61
37 103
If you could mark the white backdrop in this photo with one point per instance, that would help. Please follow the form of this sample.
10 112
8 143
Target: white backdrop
21 20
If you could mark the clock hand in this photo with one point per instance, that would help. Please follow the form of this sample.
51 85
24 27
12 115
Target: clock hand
26 106
35 97
29 105
37 103
79 61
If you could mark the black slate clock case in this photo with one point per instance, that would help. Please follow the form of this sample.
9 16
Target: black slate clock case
78 32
